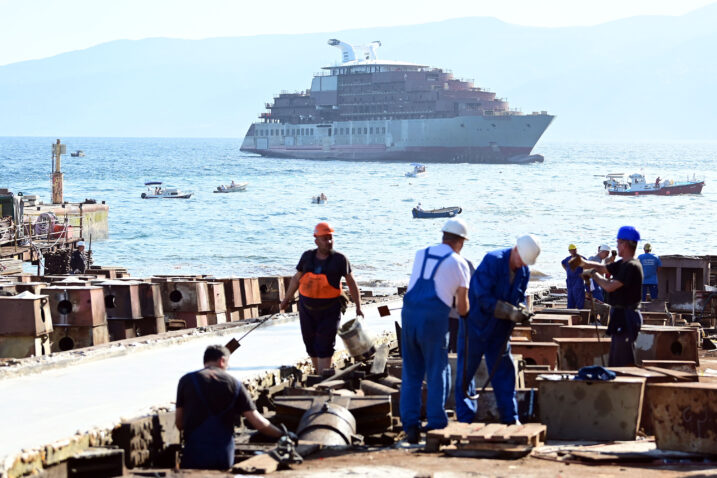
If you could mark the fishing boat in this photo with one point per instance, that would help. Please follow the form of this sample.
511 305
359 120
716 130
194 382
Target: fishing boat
635 185
232 188
78 154
320 199
156 191
418 171
419 213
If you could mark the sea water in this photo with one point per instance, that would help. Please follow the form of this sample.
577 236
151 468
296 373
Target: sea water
264 230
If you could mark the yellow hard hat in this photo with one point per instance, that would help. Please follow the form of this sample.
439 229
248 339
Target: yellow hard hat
571 247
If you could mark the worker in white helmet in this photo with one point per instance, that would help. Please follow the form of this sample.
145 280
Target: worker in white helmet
497 296
439 275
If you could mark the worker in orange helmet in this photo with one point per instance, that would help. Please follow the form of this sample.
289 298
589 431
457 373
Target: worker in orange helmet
318 280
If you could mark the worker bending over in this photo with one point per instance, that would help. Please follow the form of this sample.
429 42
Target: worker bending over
207 401
497 296
624 289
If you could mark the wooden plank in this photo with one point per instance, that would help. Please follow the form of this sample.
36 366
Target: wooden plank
532 433
260 464
487 432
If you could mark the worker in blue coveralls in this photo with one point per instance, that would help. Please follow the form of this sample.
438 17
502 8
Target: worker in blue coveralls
602 254
650 263
439 274
575 283
624 289
496 297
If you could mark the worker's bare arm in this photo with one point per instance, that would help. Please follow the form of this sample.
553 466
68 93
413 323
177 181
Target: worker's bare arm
610 285
178 418
293 287
462 301
354 291
261 424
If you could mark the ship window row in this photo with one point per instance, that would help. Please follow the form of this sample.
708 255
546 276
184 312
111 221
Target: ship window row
288 132
371 130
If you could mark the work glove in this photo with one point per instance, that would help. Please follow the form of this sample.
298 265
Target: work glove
506 311
289 434
576 262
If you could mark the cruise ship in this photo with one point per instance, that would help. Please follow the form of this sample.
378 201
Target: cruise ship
367 109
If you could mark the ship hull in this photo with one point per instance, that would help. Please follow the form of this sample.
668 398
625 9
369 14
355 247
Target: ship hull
471 139
692 188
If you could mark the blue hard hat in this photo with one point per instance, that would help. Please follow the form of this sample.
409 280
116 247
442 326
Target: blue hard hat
628 233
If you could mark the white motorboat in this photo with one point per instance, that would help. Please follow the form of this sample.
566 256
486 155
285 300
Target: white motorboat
156 191
320 199
419 170
231 188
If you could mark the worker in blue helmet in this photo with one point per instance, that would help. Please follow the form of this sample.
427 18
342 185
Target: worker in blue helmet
574 282
625 291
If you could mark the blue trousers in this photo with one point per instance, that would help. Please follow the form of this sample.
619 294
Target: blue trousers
503 381
424 347
653 291
576 297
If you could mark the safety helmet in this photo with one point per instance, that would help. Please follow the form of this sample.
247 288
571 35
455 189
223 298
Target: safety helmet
528 248
572 247
323 229
628 233
648 247
457 227
604 248
80 243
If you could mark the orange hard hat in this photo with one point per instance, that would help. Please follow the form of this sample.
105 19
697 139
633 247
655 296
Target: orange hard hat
323 229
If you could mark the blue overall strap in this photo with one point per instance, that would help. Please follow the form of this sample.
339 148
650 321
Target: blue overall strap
427 256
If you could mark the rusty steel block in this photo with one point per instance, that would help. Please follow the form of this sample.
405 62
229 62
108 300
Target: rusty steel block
122 299
575 353
537 353
686 366
522 332
81 306
191 319
32 287
24 346
250 293
233 315
232 292
684 416
7 289
150 300
541 318
151 325
249 313
25 316
582 332
120 329
271 289
591 410
71 337
545 332
185 296
667 343
217 299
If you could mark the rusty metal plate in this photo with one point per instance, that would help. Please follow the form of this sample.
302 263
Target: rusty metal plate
684 416
583 332
82 306
667 343
537 353
25 316
574 354
185 296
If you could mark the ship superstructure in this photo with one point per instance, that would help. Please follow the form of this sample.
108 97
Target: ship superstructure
370 109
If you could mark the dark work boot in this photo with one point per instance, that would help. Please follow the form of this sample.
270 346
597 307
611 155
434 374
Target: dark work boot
413 436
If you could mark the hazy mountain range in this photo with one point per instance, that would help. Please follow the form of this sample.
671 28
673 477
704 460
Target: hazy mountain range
643 78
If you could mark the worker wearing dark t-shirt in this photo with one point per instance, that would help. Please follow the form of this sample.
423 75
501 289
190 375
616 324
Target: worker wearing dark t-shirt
207 402
625 289
318 280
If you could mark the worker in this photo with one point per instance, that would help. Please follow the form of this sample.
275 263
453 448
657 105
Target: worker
650 265
439 274
624 289
207 401
602 254
575 283
78 261
318 280
455 318
497 296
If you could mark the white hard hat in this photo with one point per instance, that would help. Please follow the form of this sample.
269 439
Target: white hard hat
457 227
528 248
80 243
604 247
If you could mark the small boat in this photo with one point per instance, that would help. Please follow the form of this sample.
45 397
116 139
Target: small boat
636 186
320 199
156 191
78 154
419 170
419 213
232 188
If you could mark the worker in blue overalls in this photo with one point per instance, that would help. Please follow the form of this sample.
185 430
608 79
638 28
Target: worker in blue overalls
575 283
496 296
439 274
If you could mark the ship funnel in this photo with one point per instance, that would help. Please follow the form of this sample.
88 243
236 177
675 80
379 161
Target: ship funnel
349 52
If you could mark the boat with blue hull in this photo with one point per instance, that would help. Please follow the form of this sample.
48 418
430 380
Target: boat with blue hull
419 213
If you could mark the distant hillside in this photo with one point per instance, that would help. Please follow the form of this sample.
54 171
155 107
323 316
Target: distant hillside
643 78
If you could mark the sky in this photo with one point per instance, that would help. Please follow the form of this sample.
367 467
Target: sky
35 29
